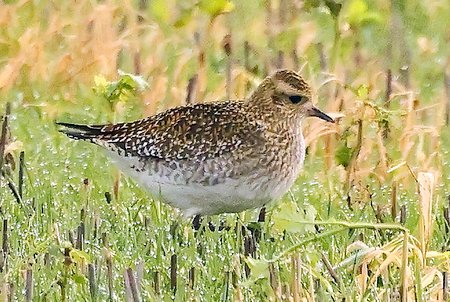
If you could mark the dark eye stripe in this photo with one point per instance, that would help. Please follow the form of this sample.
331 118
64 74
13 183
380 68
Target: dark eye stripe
295 99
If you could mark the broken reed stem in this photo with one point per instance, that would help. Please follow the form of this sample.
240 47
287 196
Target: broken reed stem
128 293
12 187
133 285
227 286
110 278
156 282
5 237
108 197
445 286
3 134
387 97
394 205
92 285
447 220
192 278
139 275
249 250
21 168
4 252
330 269
402 214
96 226
274 278
80 237
3 137
173 272
29 285
387 101
71 237
7 291
262 215
63 281
228 51
445 295
190 90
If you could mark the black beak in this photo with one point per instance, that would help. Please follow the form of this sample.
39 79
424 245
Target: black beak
317 113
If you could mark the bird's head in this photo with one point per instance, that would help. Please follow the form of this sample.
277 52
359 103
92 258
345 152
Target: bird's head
287 92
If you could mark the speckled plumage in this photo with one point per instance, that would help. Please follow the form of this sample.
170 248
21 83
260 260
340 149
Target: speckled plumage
215 157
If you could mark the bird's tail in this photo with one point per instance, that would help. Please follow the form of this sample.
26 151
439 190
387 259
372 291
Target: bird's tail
81 132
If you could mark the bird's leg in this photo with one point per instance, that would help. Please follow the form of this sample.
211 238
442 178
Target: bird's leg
197 222
262 215
255 227
211 226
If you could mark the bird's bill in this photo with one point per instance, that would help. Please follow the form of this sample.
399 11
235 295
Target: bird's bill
320 114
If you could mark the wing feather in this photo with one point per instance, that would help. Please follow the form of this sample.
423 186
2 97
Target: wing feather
199 132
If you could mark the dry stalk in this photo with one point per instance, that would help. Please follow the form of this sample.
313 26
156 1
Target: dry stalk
236 276
296 275
426 185
274 277
404 268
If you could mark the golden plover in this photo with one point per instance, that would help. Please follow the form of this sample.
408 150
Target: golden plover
213 158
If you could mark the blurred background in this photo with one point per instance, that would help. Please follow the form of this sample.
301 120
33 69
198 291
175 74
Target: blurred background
381 68
393 54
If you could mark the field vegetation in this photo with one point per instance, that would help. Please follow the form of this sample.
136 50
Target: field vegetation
368 219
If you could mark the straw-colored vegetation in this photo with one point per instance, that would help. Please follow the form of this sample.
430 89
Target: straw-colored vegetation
368 219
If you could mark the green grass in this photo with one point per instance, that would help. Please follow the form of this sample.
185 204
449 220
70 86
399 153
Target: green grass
141 231
339 211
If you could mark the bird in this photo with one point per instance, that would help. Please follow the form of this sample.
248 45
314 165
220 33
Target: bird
215 157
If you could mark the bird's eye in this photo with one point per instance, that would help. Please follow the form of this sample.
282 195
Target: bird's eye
296 99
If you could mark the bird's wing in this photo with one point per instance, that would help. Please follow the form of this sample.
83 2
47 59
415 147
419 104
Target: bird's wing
199 131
